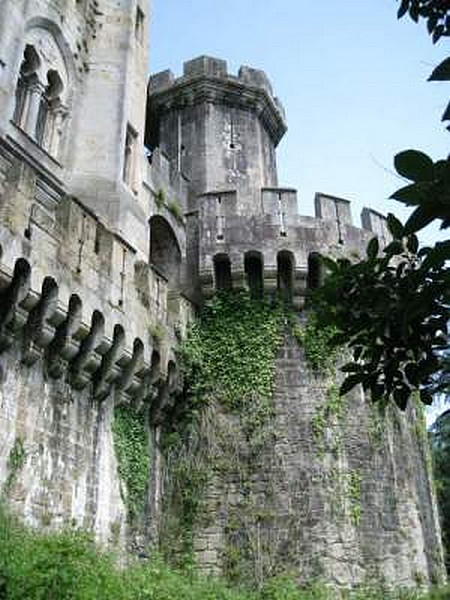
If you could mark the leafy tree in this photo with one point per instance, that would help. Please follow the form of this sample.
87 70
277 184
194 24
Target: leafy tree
392 309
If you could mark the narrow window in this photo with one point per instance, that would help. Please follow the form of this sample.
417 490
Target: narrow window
285 275
282 215
220 220
139 25
315 274
253 266
222 272
129 157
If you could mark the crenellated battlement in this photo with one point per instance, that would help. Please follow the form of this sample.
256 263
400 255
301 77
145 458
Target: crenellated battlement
117 221
249 85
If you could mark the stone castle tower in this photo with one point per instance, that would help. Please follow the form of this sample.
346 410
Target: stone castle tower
120 211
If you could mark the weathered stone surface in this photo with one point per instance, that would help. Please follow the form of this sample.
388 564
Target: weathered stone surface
108 248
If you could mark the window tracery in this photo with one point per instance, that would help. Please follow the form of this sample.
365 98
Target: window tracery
42 90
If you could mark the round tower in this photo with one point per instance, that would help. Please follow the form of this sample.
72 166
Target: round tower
219 130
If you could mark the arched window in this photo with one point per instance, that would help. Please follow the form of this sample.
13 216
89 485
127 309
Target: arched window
42 89
285 274
165 252
253 265
28 79
222 272
315 271
48 111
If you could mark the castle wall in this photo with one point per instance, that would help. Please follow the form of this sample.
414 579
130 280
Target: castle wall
343 496
82 318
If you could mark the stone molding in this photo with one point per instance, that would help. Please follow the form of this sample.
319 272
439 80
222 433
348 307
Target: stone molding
231 91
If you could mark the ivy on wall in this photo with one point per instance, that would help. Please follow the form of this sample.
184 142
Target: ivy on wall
229 355
320 352
131 442
14 464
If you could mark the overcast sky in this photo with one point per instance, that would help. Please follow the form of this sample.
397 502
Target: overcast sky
351 77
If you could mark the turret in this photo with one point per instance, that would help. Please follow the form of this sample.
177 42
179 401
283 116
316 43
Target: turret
218 129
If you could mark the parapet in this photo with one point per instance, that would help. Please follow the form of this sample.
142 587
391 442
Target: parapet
377 223
206 79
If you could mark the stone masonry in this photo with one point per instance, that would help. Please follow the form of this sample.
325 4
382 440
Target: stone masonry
122 207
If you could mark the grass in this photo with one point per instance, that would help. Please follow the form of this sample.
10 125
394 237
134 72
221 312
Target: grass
69 566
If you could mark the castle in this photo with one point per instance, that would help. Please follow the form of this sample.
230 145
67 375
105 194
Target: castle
122 207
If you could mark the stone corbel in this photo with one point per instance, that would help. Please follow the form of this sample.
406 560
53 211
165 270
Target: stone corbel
129 384
12 317
109 370
64 348
87 361
38 332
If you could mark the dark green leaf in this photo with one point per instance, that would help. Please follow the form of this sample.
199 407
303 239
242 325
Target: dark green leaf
351 368
350 382
446 115
412 244
437 256
394 248
437 33
403 9
372 248
329 263
426 397
411 195
441 72
414 165
421 217
395 227
401 395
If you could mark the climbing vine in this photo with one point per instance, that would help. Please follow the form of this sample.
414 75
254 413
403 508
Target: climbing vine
320 352
15 462
131 442
229 355
228 359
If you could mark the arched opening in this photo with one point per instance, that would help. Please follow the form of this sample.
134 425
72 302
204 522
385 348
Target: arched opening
155 368
27 79
285 275
165 252
171 376
253 266
48 108
222 272
315 271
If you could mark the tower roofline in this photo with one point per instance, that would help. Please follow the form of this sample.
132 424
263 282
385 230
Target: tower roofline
206 79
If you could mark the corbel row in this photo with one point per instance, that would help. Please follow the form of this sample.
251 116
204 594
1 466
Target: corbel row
70 349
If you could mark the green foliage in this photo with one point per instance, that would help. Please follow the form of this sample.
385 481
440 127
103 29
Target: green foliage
157 331
435 12
15 462
229 355
317 342
429 192
174 207
131 443
186 460
160 198
69 566
328 414
391 310
353 488
437 15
